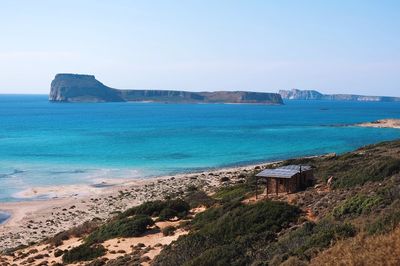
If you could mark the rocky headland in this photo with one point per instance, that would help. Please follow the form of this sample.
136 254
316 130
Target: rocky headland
86 88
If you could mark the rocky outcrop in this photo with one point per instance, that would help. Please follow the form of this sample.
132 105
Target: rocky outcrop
295 94
85 88
81 88
301 94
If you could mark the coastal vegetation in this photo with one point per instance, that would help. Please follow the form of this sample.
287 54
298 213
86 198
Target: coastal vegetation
221 235
125 227
368 164
369 175
164 210
323 224
131 223
83 253
356 205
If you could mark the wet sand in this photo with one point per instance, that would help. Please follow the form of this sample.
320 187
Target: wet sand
4 216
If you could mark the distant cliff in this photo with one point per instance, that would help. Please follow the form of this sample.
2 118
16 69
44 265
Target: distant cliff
85 88
300 95
315 95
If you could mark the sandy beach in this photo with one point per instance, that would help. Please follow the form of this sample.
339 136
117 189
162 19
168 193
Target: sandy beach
35 220
383 123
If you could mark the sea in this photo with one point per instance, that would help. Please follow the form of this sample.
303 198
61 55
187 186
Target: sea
50 144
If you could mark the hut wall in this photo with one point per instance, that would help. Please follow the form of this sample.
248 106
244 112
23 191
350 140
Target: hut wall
284 185
293 183
272 182
290 185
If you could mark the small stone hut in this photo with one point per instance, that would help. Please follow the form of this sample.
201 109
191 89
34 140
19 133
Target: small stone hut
286 179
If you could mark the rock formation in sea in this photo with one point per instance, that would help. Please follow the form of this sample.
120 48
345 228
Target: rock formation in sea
85 88
296 94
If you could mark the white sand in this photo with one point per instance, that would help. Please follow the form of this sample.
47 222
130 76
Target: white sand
383 123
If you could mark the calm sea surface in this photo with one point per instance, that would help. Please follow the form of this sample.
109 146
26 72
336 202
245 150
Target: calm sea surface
44 143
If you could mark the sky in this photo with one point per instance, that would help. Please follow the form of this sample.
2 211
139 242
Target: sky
205 45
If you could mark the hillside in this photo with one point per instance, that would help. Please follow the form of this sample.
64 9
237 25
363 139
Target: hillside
295 94
348 222
85 88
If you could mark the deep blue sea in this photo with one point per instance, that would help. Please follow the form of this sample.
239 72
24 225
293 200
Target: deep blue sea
44 143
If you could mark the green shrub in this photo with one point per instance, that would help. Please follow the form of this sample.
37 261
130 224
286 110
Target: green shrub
169 230
357 205
390 192
125 227
167 214
150 208
305 241
384 224
83 252
219 256
58 253
246 219
197 198
181 207
233 192
154 208
78 231
212 214
354 169
224 233
323 234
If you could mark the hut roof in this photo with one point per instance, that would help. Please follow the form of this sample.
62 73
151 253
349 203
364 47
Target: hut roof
287 171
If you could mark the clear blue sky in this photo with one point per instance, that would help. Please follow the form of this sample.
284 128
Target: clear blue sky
333 46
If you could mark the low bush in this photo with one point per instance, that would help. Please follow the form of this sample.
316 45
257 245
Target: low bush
357 168
197 198
220 255
169 208
167 214
230 228
236 192
169 230
305 241
83 252
212 214
384 224
125 227
357 205
58 253
78 231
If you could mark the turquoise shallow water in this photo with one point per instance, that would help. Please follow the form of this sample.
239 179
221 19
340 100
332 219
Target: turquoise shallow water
44 143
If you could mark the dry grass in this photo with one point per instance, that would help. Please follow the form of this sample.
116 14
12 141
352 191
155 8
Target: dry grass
362 250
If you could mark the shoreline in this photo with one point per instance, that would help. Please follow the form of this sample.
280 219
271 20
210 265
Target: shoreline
53 209
382 123
50 192
35 220
4 217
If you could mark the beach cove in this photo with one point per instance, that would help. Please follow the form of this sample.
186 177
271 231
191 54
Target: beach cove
52 145
35 220
56 174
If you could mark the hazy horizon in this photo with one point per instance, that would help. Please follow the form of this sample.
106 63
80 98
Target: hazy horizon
341 47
